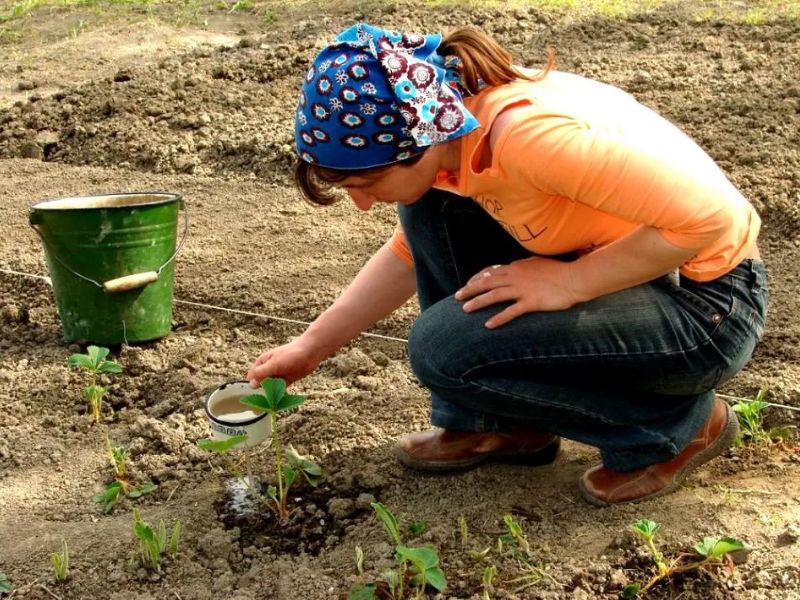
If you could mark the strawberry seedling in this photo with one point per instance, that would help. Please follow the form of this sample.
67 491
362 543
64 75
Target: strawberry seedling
107 499
711 553
418 567
153 543
94 361
515 545
751 420
60 561
275 400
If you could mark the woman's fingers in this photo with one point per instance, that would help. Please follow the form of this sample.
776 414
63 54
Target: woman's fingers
487 279
507 315
493 296
259 369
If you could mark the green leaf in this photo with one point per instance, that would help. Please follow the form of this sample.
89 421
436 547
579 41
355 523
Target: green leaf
81 361
108 497
258 401
94 391
311 470
97 354
514 528
274 389
220 446
144 532
174 539
289 476
435 578
5 584
363 592
161 536
425 557
109 367
712 547
290 401
272 493
631 591
425 567
646 528
389 522
143 490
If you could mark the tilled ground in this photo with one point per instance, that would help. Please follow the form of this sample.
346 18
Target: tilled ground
215 126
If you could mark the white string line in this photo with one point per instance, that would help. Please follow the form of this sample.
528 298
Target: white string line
285 320
223 309
738 399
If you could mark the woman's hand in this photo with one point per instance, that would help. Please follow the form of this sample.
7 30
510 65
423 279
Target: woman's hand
532 284
291 362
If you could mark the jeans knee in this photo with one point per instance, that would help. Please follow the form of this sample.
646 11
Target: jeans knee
429 353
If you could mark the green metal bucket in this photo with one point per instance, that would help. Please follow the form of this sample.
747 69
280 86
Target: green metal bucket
111 261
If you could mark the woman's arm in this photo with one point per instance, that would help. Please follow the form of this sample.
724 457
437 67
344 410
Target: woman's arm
640 256
384 283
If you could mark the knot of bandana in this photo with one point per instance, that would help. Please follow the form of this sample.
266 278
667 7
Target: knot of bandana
374 96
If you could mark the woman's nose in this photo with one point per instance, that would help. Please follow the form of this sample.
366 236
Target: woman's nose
363 200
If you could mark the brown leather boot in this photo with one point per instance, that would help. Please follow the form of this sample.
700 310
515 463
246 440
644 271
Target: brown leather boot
442 450
601 486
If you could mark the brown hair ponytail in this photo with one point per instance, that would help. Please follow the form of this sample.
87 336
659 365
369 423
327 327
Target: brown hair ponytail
484 60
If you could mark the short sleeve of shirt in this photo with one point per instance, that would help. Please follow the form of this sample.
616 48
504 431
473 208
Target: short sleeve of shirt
399 245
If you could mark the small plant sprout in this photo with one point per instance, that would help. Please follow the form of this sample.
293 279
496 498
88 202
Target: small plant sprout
94 361
489 574
119 460
60 562
5 584
417 568
711 553
154 543
515 545
107 499
463 529
647 530
389 522
359 561
515 536
751 420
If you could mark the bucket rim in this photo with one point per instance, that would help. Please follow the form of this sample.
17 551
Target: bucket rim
118 200
214 418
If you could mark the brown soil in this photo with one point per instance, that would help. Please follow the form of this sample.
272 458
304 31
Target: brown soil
214 124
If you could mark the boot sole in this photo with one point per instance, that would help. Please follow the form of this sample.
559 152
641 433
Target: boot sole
543 456
722 443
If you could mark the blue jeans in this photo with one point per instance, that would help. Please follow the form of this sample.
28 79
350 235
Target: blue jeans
632 373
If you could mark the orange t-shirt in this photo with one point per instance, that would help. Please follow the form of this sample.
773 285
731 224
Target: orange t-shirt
583 164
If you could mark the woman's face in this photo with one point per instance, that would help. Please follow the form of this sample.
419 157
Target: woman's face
404 184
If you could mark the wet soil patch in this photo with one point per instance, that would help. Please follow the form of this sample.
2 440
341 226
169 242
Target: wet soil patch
319 517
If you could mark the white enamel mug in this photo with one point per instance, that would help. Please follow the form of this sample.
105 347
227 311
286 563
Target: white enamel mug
256 426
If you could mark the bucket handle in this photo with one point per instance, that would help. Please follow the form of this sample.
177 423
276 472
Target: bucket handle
128 282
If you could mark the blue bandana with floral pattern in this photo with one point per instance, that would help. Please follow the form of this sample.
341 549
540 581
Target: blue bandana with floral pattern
374 97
